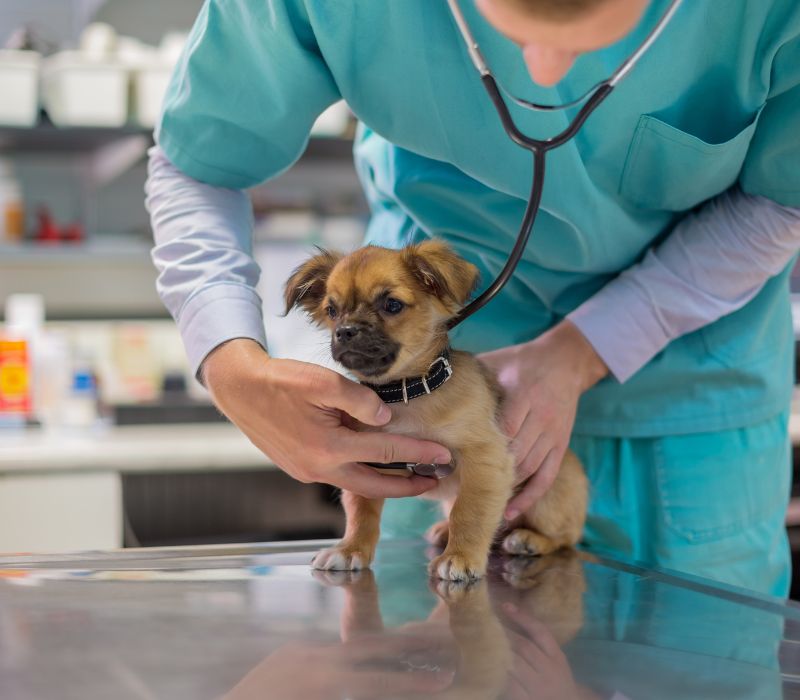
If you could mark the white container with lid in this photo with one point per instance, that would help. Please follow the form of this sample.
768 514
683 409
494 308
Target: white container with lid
25 312
151 77
80 89
19 87
150 85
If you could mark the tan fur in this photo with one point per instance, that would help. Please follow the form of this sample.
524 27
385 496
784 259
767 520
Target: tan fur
462 414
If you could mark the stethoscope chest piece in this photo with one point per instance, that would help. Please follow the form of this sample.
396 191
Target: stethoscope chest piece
437 471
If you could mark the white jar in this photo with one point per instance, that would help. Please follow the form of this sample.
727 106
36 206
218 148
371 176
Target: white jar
79 409
12 212
19 87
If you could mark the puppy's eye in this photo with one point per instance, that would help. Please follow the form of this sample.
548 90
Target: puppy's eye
331 311
393 306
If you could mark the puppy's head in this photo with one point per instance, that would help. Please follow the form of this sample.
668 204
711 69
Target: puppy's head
386 309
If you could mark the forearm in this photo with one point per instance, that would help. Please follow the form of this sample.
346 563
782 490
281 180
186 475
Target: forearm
203 253
713 263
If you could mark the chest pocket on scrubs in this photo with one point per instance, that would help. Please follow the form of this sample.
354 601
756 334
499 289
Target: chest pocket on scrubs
669 169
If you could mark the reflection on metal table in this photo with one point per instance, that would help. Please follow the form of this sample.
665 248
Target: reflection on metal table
247 622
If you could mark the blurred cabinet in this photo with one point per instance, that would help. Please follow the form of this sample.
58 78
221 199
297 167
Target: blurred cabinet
112 278
60 512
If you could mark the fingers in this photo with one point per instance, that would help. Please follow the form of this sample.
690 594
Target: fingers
516 689
386 448
388 646
365 481
382 682
535 444
537 485
372 684
531 461
529 660
536 631
514 414
361 403
524 437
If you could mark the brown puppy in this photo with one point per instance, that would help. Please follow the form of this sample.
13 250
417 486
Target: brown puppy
387 311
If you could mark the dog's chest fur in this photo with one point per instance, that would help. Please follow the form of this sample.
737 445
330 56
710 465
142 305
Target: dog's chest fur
461 414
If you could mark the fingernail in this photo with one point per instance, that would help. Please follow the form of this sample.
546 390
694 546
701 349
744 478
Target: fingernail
384 413
443 458
511 514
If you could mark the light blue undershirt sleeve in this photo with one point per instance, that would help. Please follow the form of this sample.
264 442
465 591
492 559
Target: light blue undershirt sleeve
714 262
239 110
203 252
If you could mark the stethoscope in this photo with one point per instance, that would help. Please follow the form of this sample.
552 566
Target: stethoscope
539 148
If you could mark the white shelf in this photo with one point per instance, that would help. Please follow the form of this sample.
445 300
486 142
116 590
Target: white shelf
99 250
99 278
131 449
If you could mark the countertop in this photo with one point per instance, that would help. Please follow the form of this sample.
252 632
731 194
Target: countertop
254 621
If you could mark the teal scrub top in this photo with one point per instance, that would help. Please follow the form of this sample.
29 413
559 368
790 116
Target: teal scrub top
714 103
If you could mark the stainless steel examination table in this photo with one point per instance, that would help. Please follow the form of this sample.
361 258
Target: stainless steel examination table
247 622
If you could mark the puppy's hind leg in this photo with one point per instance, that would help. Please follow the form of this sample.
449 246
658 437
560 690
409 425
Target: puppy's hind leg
439 533
557 519
526 542
357 548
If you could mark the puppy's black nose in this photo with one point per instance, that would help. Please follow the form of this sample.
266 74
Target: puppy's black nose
345 334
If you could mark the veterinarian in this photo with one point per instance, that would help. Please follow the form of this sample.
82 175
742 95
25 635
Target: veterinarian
649 319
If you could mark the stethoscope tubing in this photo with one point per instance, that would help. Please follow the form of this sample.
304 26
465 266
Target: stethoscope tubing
538 148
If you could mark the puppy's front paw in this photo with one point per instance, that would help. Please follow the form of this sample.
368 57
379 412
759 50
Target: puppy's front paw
452 592
341 558
457 566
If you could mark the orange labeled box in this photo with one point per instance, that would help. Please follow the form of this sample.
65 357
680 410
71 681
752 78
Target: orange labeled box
15 377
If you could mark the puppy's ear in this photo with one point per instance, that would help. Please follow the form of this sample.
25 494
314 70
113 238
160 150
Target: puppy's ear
306 287
442 272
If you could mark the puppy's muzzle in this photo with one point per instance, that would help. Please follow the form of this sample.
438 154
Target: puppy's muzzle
362 348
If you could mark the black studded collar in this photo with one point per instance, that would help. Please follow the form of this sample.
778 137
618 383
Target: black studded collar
409 388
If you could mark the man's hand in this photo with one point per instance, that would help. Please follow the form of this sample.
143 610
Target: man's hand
540 669
366 667
298 414
543 380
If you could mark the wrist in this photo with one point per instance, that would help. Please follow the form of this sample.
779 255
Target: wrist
582 359
228 359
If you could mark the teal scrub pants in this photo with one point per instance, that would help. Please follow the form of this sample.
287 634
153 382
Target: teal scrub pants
708 504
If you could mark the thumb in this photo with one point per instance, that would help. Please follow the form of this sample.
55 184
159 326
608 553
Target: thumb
361 403
386 448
